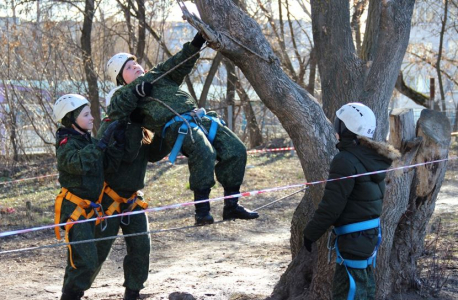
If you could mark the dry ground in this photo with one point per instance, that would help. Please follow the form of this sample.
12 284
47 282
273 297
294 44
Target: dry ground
230 260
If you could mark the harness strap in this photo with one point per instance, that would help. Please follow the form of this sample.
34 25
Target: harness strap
80 210
134 201
214 127
183 131
355 227
357 264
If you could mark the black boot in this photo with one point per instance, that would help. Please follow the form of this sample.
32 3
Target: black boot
131 294
71 295
234 211
202 216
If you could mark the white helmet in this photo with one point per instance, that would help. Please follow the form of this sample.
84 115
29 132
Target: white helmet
110 94
358 118
66 104
115 64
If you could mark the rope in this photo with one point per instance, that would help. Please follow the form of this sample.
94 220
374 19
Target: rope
270 59
135 234
174 68
278 200
215 36
178 115
240 195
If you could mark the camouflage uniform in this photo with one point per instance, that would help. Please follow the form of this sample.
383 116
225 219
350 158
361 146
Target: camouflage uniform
81 165
227 149
128 180
364 280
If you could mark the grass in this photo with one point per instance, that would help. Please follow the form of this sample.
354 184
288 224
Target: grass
165 184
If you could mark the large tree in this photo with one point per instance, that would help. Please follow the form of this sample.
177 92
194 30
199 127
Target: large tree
347 75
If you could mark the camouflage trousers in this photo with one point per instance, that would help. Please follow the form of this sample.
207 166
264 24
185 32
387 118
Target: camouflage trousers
227 151
364 279
136 262
84 255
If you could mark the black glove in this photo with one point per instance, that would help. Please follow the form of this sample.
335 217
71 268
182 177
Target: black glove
106 137
136 116
198 40
308 244
119 135
143 89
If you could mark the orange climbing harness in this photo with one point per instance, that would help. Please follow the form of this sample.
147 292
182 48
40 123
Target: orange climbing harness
135 200
80 210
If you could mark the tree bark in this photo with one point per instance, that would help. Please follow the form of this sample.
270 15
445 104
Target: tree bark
209 79
358 9
417 97
439 56
141 44
230 91
412 206
344 78
252 124
312 75
91 76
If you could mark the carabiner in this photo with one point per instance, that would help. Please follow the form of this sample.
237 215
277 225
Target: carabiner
330 245
98 210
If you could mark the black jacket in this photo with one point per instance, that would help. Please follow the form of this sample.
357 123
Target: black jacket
353 200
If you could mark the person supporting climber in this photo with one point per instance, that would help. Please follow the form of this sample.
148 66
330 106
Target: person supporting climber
123 194
174 117
353 205
81 161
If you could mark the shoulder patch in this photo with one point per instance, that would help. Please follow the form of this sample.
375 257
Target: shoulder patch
63 142
107 120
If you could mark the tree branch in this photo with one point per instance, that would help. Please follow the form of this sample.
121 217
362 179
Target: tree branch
417 97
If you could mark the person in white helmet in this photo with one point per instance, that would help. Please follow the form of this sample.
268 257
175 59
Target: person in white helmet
81 161
173 115
353 205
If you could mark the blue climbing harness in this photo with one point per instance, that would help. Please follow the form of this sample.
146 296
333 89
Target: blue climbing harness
355 264
194 120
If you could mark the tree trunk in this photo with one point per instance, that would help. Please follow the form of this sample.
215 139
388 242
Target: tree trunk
439 57
209 79
412 202
91 76
230 91
252 124
312 75
141 44
344 78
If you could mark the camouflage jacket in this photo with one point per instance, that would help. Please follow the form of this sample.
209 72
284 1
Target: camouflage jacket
81 164
130 176
167 90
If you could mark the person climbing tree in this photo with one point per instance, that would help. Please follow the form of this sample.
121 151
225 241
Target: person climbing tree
175 118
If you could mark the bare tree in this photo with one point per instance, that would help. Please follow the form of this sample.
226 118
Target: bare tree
86 47
345 77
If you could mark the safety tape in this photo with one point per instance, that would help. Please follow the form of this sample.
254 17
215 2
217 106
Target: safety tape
164 159
240 195
138 233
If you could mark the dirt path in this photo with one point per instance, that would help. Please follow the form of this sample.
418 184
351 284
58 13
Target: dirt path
212 262
239 260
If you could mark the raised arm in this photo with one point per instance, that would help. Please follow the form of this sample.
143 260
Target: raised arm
189 49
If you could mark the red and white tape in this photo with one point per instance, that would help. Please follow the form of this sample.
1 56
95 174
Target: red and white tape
164 159
244 194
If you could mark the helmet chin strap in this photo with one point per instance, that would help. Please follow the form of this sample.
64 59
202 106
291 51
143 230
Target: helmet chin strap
77 126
